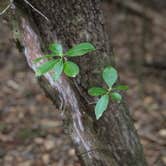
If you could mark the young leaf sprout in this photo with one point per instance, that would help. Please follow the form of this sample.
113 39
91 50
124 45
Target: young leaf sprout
110 77
59 60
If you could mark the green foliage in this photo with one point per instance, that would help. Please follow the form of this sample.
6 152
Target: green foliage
71 69
56 49
115 96
58 69
61 64
110 76
121 87
43 57
101 106
45 67
97 91
80 49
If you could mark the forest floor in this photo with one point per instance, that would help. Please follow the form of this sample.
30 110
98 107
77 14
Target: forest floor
31 129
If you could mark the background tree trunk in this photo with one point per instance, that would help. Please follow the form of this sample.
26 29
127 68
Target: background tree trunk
111 141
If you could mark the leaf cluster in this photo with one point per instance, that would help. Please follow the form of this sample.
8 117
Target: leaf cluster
58 60
59 63
110 76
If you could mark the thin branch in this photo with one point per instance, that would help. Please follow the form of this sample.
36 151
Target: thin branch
8 6
35 9
28 3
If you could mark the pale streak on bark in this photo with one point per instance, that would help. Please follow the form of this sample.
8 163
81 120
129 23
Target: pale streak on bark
33 51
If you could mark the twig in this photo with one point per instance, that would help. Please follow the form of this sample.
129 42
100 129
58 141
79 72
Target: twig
35 9
8 6
28 3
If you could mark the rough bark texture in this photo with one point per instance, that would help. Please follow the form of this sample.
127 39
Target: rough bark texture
111 141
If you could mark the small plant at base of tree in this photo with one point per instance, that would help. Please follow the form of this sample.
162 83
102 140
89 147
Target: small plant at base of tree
62 64
110 76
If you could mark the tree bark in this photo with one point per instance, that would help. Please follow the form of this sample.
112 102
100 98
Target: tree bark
110 141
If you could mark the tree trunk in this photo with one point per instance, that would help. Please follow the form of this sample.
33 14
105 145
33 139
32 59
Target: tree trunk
110 141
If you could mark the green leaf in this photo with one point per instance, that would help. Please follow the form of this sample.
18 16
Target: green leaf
101 106
43 57
45 67
80 49
71 69
116 96
56 49
97 91
58 68
121 87
110 76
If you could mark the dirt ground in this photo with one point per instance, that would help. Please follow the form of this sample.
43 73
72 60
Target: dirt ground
31 129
